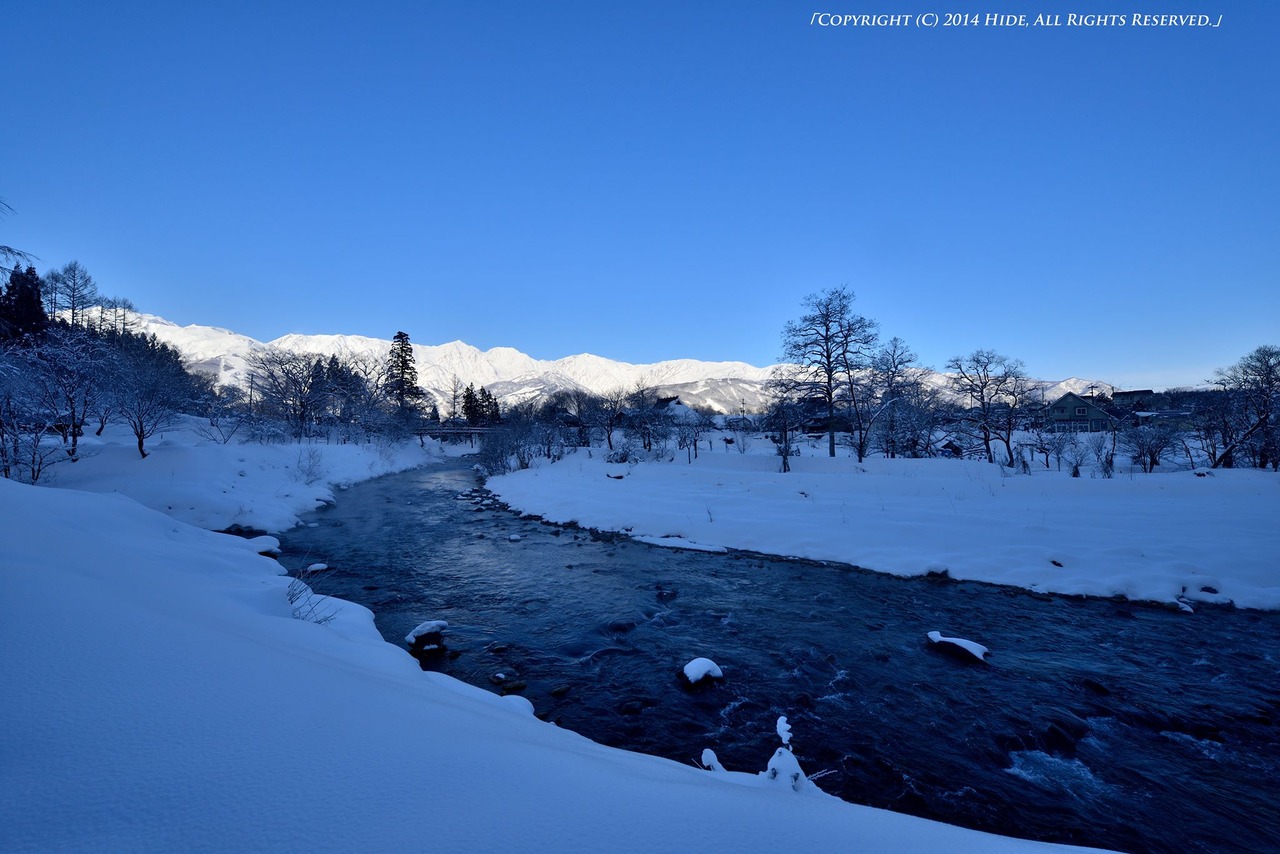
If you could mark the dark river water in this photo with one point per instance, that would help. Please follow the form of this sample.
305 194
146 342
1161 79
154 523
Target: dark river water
1097 721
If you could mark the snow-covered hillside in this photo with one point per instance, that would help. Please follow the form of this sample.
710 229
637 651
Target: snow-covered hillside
511 376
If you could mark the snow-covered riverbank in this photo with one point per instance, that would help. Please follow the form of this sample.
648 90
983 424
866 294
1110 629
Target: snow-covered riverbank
1181 535
161 695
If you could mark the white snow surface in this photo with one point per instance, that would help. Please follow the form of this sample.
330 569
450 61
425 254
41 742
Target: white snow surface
679 543
1154 537
700 668
160 695
975 649
216 486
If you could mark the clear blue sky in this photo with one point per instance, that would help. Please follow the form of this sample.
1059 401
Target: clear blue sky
654 180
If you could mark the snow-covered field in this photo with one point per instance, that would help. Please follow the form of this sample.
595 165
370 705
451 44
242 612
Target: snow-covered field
161 695
1166 536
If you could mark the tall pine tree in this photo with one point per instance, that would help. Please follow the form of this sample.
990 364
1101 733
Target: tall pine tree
21 307
402 375
471 405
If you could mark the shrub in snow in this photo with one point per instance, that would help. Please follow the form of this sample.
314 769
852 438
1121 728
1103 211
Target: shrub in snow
702 668
309 466
783 769
307 604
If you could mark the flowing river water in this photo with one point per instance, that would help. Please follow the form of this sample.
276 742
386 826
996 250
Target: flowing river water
1097 721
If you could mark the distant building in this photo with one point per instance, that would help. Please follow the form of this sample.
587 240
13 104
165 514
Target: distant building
1072 413
1133 400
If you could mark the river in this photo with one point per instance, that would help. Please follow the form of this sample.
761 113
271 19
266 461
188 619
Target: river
1096 721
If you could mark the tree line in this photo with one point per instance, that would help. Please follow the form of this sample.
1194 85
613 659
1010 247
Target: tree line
72 360
840 379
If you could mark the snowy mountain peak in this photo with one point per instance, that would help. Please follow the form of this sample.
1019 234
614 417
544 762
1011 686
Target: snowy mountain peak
510 375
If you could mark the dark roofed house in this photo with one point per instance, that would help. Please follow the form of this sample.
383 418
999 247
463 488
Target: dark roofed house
1072 413
1130 400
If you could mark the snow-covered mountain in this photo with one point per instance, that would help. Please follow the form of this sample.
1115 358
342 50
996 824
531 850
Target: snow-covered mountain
509 375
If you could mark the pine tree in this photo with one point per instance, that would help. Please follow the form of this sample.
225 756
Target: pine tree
488 408
21 308
471 405
402 374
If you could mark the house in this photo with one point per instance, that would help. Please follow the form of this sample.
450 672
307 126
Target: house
1073 413
1130 401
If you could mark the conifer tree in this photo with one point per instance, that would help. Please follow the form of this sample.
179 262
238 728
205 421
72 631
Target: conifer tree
21 308
402 374
487 404
471 405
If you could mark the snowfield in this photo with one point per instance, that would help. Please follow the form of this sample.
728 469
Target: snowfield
161 695
1164 537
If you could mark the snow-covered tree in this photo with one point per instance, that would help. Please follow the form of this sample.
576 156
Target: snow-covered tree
151 386
288 387
26 418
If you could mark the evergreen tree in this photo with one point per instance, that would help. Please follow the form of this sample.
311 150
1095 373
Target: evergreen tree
402 374
488 408
21 308
471 405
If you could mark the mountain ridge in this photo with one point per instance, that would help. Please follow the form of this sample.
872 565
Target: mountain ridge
509 374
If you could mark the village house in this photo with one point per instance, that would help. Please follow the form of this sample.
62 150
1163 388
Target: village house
1073 413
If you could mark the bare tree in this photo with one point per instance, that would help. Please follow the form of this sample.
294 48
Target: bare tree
1148 443
997 389
829 344
1103 448
455 399
607 413
225 410
690 426
7 253
291 386
782 419
1254 383
862 398
646 417
70 289
112 315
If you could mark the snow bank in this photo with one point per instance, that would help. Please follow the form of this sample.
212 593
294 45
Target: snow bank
260 487
162 697
1156 537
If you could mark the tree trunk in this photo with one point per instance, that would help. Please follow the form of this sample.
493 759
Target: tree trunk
831 427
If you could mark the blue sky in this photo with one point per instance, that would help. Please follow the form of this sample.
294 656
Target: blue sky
661 180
